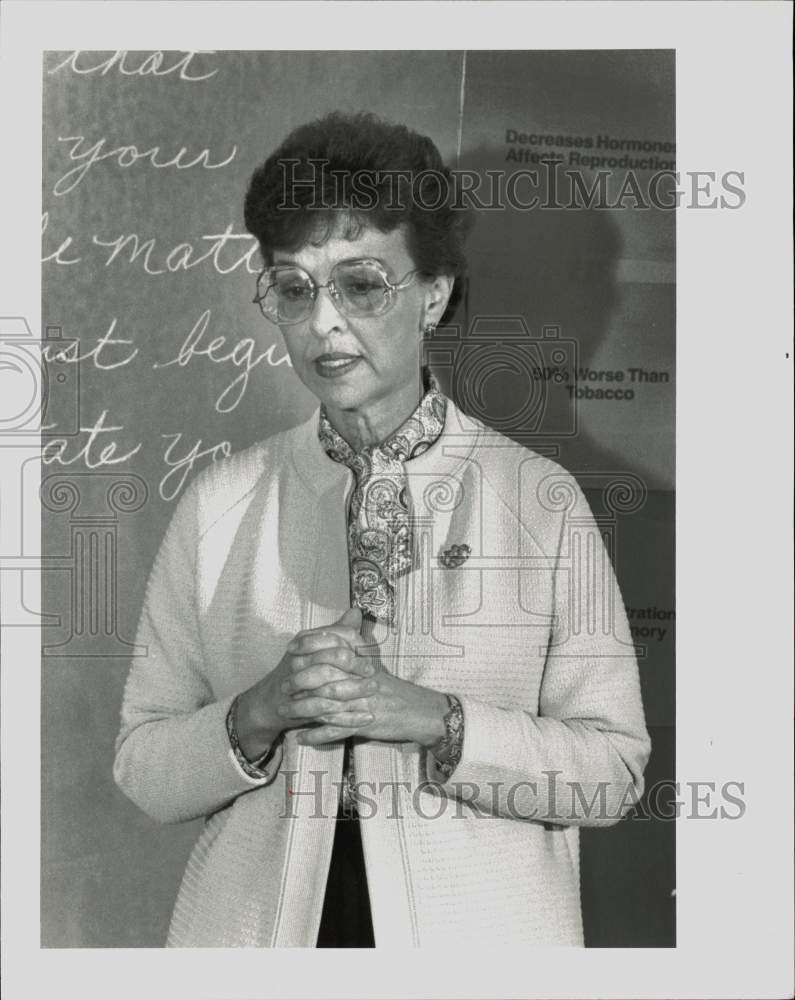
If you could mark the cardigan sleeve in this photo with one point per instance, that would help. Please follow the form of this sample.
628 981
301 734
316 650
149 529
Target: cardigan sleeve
173 755
579 759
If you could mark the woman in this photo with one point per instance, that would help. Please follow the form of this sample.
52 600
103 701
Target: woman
387 657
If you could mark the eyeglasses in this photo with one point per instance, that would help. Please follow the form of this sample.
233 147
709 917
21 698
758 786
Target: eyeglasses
287 293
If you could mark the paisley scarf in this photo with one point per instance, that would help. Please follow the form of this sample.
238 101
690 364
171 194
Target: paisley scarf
380 543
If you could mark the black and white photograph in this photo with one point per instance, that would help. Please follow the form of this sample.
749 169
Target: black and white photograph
350 474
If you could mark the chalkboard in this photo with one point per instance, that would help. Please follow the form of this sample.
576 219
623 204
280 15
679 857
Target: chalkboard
158 363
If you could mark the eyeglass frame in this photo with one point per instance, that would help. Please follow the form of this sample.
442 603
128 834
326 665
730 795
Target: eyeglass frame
391 287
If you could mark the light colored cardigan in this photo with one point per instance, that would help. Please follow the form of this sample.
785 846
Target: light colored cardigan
530 633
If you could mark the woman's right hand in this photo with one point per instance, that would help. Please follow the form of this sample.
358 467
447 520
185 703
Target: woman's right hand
315 658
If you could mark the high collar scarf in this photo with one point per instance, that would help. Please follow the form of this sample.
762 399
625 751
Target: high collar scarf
380 542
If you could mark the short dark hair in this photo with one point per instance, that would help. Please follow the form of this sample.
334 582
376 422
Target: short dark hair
292 201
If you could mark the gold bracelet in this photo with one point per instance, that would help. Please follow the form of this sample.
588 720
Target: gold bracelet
253 768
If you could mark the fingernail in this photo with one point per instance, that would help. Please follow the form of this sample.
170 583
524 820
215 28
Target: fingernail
369 670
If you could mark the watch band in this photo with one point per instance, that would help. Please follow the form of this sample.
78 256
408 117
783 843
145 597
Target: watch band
447 752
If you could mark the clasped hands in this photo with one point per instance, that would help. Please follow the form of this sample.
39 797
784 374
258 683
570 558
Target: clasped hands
324 688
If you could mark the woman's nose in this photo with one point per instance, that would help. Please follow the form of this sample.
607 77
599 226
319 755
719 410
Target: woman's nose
325 315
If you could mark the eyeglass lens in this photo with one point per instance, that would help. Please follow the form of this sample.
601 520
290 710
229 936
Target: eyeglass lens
358 287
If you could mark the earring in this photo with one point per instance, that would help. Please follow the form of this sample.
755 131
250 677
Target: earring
428 329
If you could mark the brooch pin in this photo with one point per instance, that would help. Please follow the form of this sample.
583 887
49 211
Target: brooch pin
455 556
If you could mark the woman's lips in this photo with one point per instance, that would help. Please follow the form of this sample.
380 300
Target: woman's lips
334 365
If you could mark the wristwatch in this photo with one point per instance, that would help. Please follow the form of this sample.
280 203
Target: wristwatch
447 752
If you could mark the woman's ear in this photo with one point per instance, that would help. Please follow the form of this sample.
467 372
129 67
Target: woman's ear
437 295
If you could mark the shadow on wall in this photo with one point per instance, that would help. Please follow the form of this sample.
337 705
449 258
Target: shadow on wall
553 269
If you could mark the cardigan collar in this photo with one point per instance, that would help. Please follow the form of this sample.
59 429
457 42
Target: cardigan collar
444 457
414 436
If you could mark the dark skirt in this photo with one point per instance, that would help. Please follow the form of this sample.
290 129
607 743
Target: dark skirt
346 921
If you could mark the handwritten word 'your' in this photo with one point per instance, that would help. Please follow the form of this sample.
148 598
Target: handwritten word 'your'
126 156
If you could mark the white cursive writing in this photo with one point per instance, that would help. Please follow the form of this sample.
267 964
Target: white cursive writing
152 64
181 467
241 354
56 450
69 353
126 156
181 257
56 255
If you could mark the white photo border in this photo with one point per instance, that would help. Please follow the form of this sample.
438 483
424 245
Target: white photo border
734 502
